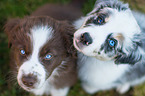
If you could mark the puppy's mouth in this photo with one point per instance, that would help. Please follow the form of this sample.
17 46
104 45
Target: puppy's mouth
30 89
29 84
24 86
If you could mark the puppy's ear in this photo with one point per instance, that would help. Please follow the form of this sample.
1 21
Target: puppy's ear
131 58
131 54
68 32
10 25
9 29
128 51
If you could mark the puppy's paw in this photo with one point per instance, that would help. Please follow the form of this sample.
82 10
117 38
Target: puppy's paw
89 89
123 88
59 92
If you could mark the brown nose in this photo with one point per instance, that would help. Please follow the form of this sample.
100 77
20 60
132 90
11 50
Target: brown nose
29 80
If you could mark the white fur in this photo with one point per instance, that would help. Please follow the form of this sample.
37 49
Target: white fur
123 88
45 89
59 92
98 75
49 88
78 23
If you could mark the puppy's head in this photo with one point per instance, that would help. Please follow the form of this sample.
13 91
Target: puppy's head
108 31
38 45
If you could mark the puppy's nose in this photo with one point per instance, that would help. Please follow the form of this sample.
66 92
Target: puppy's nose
86 39
29 80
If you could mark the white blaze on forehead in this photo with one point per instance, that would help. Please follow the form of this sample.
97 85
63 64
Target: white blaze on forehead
40 35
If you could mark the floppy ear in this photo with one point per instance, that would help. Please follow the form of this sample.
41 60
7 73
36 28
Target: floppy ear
68 32
131 58
9 29
132 54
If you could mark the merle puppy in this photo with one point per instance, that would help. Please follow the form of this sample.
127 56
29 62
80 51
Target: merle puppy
42 50
111 45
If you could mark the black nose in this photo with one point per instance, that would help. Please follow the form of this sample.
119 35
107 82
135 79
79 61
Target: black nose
86 39
29 80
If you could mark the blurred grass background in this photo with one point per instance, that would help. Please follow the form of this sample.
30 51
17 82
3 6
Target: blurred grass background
20 8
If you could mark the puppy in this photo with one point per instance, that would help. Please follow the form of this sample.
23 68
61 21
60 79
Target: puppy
42 50
111 45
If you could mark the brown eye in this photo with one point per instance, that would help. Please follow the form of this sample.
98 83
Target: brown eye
48 57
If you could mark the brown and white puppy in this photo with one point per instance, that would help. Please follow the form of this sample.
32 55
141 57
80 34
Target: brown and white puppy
42 51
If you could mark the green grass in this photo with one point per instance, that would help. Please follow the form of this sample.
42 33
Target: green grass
19 8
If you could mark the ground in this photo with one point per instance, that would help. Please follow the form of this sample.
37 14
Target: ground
19 8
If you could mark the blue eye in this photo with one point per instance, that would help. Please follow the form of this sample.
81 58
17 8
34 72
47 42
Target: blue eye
112 43
22 52
48 56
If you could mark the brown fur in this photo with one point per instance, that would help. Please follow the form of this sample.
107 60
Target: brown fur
69 12
61 45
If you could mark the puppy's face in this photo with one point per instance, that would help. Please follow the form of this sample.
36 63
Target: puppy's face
106 32
38 47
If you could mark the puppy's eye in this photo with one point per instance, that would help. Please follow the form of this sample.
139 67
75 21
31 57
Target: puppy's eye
112 42
22 52
100 20
48 57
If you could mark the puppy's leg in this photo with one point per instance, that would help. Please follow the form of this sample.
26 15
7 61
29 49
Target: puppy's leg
123 88
59 92
89 89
